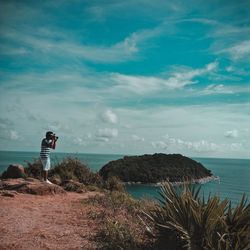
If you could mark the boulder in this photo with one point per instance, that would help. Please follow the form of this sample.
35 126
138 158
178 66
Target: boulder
56 179
74 186
14 171
30 186
8 193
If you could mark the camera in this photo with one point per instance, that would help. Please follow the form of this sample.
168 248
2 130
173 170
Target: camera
54 137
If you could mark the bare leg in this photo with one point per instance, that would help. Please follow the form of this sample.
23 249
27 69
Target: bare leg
45 175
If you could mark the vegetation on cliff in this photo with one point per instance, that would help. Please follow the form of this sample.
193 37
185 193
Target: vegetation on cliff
182 220
70 173
185 220
155 168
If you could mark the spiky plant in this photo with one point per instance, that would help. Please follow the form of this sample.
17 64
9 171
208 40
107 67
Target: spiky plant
237 225
185 221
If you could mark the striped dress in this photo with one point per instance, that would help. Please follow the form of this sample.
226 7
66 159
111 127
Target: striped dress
45 148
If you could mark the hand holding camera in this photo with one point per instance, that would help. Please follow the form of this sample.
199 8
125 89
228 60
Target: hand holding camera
54 137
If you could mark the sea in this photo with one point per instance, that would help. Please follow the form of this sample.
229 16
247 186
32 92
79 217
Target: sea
234 174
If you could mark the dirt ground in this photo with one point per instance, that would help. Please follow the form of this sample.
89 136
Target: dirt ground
46 222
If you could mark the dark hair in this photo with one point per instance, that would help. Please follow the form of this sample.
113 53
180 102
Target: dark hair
49 134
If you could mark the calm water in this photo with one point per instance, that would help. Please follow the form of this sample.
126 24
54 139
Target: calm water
234 173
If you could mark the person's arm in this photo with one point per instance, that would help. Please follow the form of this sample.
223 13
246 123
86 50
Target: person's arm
53 144
47 143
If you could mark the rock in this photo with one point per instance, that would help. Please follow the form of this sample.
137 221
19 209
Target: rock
30 186
8 193
56 179
74 186
14 171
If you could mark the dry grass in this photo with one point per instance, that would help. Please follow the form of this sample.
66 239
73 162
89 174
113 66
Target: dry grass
120 216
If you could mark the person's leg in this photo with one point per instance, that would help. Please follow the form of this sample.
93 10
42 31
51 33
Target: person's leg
46 171
46 168
45 175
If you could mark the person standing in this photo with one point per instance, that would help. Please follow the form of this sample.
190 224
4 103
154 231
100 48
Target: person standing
49 142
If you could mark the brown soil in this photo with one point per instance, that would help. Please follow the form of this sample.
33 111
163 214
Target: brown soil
46 222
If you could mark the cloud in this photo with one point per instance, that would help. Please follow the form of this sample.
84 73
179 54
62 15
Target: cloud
65 48
79 141
5 123
10 134
181 79
39 43
106 134
147 84
110 117
239 51
236 146
54 126
6 130
217 89
232 133
159 145
14 135
196 146
99 11
200 20
138 138
201 146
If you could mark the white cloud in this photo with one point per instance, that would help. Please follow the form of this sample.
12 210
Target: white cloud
232 133
79 141
14 135
157 9
196 146
181 79
236 146
138 138
148 84
40 42
230 69
54 126
217 89
136 84
238 51
159 145
201 146
110 117
33 43
7 133
106 134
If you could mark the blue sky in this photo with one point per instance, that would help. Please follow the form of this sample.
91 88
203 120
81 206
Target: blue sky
127 77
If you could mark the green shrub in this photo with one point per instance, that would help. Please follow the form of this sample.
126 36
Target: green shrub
34 169
113 183
68 169
184 221
74 169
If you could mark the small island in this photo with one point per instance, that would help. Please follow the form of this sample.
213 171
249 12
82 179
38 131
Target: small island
156 168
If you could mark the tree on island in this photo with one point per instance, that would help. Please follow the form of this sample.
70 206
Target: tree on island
155 168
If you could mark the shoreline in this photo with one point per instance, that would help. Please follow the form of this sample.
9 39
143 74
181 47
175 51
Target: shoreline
203 180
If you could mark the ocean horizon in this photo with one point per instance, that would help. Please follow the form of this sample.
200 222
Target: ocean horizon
234 173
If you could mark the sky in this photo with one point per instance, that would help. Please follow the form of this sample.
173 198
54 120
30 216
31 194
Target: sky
126 77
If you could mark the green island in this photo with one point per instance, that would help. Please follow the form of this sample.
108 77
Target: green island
156 168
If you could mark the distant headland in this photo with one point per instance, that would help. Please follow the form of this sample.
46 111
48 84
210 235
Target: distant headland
157 168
